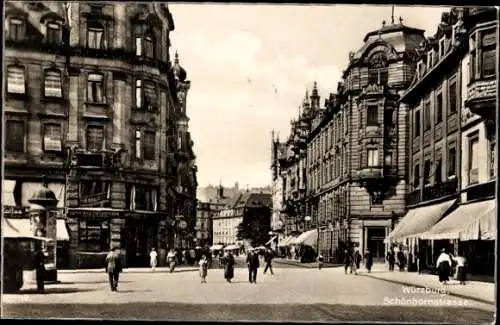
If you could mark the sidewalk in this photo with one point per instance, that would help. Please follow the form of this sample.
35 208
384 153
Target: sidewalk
313 265
474 290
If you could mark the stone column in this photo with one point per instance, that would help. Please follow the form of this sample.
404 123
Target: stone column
120 27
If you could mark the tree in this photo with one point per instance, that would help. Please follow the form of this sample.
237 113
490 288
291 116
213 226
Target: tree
255 226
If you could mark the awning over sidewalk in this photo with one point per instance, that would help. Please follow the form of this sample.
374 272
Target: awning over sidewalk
62 231
19 228
308 238
216 247
231 248
419 220
473 221
271 240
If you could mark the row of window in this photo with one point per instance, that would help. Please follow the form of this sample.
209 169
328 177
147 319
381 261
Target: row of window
330 169
333 207
145 141
146 92
439 109
328 136
144 36
434 57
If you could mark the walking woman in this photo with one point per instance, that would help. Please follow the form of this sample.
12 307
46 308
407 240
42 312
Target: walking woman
228 266
153 259
171 260
443 264
461 269
203 268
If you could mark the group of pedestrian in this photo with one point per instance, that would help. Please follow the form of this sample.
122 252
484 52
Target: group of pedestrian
444 267
353 259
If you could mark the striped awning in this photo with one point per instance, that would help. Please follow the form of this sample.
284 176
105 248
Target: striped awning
20 229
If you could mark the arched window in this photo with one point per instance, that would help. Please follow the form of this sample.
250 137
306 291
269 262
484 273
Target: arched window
377 72
16 80
16 29
52 83
95 36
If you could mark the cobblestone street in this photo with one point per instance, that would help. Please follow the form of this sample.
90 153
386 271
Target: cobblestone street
291 294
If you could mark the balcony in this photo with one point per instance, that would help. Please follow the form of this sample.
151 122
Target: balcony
368 173
433 192
95 159
95 200
481 97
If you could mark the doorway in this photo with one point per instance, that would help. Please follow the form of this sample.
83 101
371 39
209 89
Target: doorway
375 242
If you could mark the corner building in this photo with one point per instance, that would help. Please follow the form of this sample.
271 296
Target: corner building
94 105
357 160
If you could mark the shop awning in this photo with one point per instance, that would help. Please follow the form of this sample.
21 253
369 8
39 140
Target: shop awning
62 231
19 228
308 238
231 248
216 247
8 193
271 240
419 220
467 222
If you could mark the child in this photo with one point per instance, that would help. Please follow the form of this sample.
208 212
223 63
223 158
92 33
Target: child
320 261
203 269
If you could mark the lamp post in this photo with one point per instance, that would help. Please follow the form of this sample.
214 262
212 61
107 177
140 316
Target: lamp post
46 226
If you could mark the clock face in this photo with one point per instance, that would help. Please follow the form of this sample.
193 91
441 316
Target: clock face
183 224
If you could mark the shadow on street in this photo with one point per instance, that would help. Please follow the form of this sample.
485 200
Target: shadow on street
49 290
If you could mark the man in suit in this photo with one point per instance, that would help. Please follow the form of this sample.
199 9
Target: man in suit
113 268
253 265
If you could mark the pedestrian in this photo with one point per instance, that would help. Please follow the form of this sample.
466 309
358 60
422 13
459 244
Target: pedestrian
253 265
203 268
40 269
268 258
321 259
420 261
228 261
113 268
443 265
347 261
357 259
461 269
391 259
153 259
171 257
368 261
401 259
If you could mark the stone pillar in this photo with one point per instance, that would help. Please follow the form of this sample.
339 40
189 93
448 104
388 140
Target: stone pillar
120 28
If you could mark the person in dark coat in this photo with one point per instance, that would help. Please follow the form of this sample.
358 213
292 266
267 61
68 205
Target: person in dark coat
40 269
347 260
228 262
268 258
420 261
113 268
368 261
401 260
253 265
391 259
357 259
443 265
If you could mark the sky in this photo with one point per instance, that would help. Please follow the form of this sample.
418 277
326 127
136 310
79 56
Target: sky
250 65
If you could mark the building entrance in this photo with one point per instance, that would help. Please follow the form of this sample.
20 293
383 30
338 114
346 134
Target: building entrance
375 242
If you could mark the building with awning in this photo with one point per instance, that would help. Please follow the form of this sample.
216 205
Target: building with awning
419 220
472 221
21 228
307 238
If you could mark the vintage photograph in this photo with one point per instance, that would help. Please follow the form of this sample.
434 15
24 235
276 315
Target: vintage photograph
249 162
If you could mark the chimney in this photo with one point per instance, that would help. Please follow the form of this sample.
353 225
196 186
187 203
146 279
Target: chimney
220 192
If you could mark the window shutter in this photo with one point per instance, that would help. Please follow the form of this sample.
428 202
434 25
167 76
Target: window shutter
53 86
15 80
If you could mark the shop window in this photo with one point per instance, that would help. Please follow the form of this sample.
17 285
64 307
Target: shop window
95 36
94 235
95 88
473 160
54 33
52 84
16 83
16 29
452 97
452 162
52 138
372 115
427 116
372 155
15 133
427 172
439 108
95 137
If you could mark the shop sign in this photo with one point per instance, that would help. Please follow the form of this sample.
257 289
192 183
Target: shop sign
93 214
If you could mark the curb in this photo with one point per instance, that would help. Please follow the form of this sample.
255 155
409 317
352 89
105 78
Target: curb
422 286
125 270
307 265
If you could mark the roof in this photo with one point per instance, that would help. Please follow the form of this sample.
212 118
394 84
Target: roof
392 28
255 200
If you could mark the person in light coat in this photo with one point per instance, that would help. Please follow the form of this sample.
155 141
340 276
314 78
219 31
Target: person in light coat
461 269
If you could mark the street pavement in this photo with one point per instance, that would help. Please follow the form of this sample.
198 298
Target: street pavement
291 294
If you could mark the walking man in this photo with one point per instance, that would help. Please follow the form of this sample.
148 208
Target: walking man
40 269
113 268
391 259
268 257
253 265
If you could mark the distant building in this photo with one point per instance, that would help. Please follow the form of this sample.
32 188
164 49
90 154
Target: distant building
253 208
204 216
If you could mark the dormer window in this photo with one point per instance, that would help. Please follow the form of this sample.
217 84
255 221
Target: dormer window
16 29
420 69
442 47
430 58
377 72
54 33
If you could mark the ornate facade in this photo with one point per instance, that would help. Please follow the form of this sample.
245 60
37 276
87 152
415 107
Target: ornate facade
94 103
